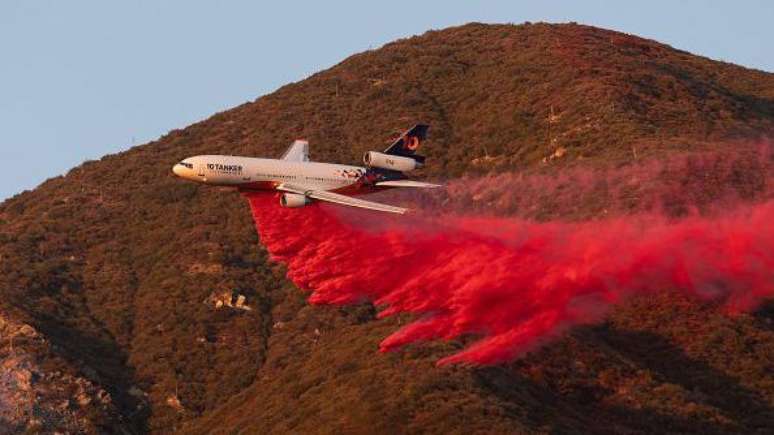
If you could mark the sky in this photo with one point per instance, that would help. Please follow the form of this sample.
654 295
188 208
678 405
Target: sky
81 79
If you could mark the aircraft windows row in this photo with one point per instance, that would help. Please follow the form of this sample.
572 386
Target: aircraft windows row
293 177
321 179
187 165
278 176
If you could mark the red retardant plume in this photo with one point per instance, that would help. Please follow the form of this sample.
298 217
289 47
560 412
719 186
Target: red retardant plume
513 283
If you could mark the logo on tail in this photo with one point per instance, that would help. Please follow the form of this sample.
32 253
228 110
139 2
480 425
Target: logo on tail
411 143
407 144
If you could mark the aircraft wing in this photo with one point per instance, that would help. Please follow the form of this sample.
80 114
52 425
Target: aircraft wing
297 152
407 183
323 195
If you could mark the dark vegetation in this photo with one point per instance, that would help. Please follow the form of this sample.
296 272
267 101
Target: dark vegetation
114 261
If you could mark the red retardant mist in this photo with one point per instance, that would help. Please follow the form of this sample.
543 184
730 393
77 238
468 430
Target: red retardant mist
511 282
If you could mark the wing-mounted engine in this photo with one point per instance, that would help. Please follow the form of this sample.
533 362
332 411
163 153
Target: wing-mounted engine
293 200
392 162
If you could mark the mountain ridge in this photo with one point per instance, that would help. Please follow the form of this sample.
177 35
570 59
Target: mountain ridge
115 261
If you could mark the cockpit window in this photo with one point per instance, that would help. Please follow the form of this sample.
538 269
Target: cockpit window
187 165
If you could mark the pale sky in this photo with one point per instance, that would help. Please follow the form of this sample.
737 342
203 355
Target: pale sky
80 79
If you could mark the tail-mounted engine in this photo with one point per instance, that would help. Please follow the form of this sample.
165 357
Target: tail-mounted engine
392 162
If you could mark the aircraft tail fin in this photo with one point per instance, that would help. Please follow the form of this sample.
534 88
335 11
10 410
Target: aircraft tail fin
408 143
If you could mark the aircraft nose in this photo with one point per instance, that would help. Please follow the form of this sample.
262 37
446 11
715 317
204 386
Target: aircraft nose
178 170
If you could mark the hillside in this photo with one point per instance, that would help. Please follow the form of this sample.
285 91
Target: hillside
113 267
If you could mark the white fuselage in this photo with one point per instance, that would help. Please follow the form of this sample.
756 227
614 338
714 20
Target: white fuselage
257 173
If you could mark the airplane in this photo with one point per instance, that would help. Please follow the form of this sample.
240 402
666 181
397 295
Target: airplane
301 181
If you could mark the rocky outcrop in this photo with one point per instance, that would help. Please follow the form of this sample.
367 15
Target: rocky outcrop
34 398
228 299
